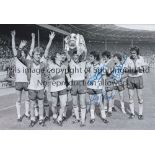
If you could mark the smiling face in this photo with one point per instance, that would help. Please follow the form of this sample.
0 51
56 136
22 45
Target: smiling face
63 56
37 56
58 57
91 58
133 54
116 60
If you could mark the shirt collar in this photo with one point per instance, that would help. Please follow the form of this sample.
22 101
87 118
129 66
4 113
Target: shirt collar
36 62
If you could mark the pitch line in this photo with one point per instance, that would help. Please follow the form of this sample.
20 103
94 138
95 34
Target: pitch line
6 108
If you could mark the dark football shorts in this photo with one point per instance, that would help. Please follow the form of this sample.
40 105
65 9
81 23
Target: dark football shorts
21 86
94 91
109 85
119 85
135 82
78 87
58 93
36 94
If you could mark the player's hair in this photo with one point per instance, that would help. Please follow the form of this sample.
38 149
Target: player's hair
96 55
24 49
39 50
107 54
135 48
53 56
118 55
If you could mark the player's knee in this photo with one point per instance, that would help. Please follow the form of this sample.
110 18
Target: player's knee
27 99
130 97
131 101
18 103
27 102
75 105
63 105
54 105
82 102
33 104
92 107
46 104
140 101
18 99
41 105
83 106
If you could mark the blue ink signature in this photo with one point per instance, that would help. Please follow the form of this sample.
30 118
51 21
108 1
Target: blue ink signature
98 75
96 99
101 71
115 76
118 70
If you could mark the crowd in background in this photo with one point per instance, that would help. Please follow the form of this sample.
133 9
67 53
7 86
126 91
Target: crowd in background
7 60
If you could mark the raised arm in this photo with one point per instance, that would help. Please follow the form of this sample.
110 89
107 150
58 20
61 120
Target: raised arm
22 44
32 44
13 33
51 37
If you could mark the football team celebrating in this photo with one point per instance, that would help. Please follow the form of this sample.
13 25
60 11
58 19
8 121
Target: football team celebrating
85 80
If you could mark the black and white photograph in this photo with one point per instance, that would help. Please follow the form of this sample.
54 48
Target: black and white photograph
77 76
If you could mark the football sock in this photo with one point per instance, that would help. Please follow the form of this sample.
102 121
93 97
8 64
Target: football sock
76 111
140 109
110 105
47 110
18 106
92 114
27 108
36 111
41 110
132 108
122 105
83 114
103 115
